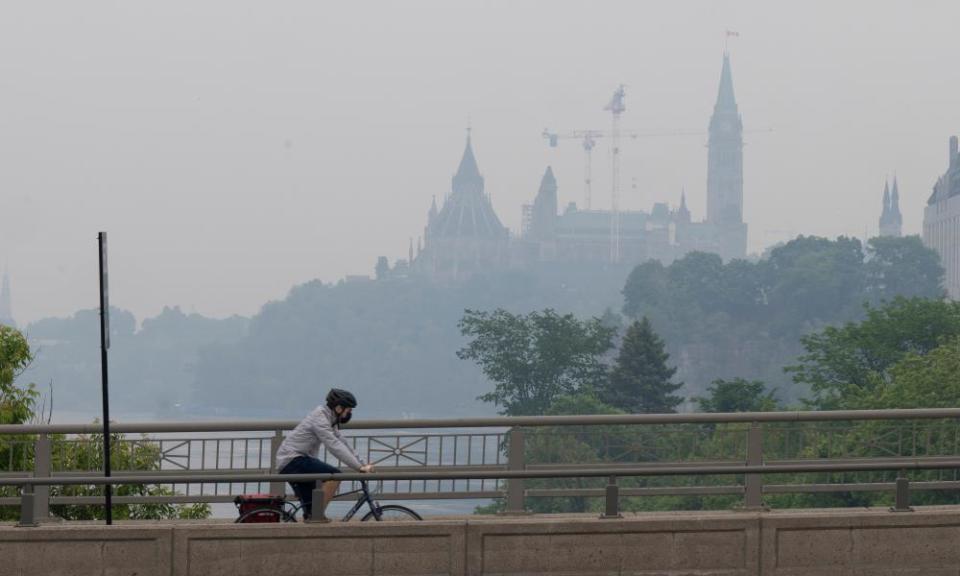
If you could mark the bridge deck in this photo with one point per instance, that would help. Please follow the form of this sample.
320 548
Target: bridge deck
783 543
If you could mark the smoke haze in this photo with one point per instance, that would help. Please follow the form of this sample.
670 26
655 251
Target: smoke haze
233 149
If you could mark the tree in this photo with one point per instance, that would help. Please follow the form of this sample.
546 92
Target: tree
534 358
640 380
81 454
742 290
844 365
737 395
929 380
16 404
810 279
85 453
902 267
696 280
646 288
920 379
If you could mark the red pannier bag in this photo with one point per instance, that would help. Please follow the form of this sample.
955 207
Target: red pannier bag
267 503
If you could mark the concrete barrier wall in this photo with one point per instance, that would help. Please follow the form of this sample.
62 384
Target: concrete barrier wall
875 543
821 543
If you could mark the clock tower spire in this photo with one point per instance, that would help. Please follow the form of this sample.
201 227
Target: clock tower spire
725 170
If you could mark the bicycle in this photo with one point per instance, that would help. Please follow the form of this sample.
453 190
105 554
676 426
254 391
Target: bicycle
279 509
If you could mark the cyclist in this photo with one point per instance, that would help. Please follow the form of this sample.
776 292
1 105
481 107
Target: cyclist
299 450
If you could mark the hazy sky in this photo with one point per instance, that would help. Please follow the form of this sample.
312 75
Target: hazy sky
233 149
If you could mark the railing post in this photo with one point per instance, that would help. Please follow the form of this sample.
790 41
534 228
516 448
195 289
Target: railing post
319 503
515 461
276 488
27 507
612 507
753 483
902 497
41 469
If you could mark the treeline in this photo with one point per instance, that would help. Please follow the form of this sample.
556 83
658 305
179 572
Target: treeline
746 319
904 354
152 367
395 340
901 351
392 341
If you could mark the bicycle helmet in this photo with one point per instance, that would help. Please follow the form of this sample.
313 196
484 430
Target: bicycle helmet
340 397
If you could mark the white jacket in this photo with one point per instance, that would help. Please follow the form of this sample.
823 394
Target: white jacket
319 427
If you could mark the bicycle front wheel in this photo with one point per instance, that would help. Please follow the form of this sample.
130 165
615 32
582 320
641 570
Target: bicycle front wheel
393 513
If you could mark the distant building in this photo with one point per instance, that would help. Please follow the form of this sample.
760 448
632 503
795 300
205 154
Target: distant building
663 234
891 221
6 309
725 172
465 235
577 235
941 221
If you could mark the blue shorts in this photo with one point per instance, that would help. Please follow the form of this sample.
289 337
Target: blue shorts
304 490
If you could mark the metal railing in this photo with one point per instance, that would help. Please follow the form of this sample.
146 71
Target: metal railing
496 457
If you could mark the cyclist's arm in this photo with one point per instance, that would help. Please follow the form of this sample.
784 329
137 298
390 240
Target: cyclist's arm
336 444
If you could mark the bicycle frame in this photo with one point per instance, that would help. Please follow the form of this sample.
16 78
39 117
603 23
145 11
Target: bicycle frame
292 509
365 499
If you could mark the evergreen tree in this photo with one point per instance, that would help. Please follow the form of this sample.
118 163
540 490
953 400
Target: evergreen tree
640 381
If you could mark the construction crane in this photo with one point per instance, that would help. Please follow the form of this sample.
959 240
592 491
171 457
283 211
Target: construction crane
588 139
616 107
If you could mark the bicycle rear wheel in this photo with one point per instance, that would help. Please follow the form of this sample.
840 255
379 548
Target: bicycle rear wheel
393 513
265 516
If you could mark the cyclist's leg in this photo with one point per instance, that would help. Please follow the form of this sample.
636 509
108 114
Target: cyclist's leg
330 488
303 490
308 465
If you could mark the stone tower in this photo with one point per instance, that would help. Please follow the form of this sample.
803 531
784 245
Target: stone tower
725 171
544 217
891 221
683 213
465 236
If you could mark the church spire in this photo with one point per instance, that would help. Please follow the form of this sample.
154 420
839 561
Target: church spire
683 213
886 202
895 201
543 218
891 221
